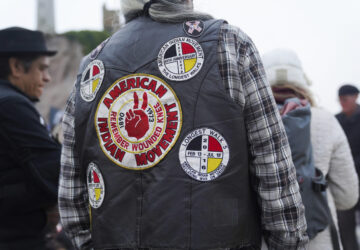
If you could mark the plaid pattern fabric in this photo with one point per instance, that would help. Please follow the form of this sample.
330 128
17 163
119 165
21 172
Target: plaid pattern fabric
274 176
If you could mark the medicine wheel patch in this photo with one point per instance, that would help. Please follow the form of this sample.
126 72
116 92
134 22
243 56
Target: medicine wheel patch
180 59
96 186
204 154
138 121
91 80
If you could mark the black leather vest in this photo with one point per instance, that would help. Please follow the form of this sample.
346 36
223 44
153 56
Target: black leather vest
151 195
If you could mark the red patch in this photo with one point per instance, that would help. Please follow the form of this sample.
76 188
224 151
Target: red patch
96 70
187 48
96 177
214 145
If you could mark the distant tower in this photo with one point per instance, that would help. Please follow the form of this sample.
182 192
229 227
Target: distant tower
111 20
46 16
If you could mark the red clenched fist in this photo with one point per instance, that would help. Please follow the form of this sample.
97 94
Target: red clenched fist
137 121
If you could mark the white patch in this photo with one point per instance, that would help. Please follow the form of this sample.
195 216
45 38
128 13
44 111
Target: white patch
91 80
180 59
95 185
138 121
204 154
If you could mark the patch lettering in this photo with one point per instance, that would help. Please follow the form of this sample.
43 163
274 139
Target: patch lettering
204 154
138 121
91 80
180 59
96 186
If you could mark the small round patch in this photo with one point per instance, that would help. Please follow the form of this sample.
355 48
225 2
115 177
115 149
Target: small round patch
96 186
194 28
138 121
204 154
91 80
180 59
98 49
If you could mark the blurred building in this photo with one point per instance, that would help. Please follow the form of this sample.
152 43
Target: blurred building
111 19
46 16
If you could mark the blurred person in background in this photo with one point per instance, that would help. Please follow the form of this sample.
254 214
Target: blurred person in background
222 138
349 119
30 158
330 149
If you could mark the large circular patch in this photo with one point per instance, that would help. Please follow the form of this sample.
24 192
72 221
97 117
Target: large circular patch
96 186
204 154
180 59
91 80
138 121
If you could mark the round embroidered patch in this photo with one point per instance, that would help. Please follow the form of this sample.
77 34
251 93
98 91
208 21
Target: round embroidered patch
91 80
194 28
180 59
204 154
98 49
96 186
138 121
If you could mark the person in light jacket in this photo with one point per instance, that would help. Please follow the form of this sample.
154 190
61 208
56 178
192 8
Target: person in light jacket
331 150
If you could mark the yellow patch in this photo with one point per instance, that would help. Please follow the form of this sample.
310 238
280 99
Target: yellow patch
97 193
95 84
189 64
213 164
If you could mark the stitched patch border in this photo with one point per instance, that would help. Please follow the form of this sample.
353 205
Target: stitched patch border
204 154
91 80
180 59
96 186
138 120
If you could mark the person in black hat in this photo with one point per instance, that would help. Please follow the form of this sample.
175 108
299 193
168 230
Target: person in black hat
349 119
29 157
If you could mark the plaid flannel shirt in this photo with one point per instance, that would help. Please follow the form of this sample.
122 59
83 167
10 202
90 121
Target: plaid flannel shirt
282 211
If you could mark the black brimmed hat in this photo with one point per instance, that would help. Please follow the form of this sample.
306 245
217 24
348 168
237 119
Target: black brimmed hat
19 41
348 89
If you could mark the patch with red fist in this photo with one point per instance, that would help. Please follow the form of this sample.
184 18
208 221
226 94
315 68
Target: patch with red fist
138 120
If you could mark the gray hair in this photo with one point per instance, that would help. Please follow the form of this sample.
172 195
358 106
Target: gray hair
166 11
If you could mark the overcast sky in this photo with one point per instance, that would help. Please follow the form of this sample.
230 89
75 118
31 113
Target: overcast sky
324 33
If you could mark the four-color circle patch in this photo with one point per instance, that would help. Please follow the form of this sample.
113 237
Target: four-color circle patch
91 80
138 121
180 59
204 154
96 186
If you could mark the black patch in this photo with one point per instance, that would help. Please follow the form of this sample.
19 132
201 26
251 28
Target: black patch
195 144
171 52
87 76
194 28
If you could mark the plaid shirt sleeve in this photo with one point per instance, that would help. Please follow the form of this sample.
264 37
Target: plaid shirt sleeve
275 182
73 197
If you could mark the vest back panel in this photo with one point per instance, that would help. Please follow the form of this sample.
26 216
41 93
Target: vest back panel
163 206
